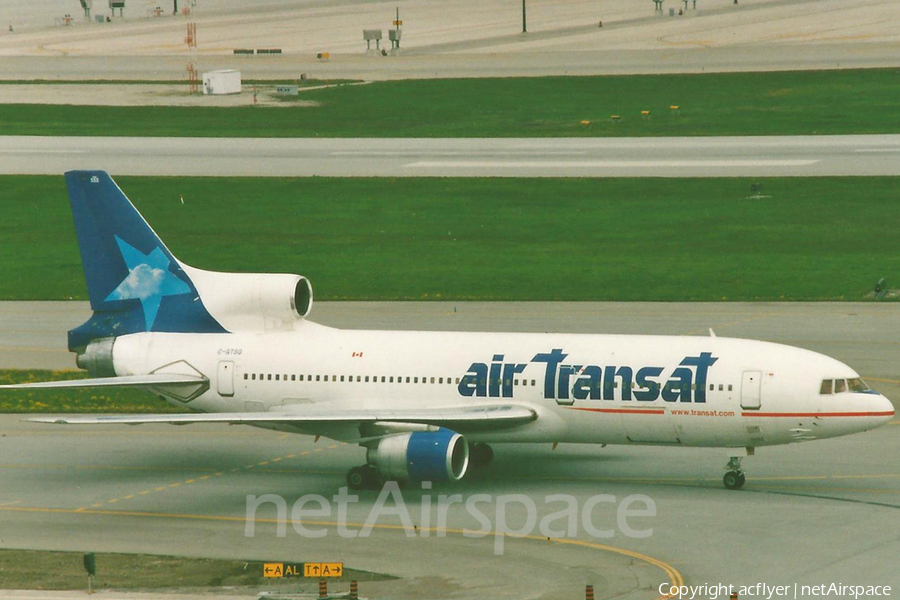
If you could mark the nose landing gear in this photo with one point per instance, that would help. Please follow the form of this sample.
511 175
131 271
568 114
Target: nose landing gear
734 479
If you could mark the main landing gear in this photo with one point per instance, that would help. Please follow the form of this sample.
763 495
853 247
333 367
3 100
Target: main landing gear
480 455
734 479
364 477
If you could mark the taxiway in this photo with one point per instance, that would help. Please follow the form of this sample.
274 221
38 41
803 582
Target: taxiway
861 155
151 489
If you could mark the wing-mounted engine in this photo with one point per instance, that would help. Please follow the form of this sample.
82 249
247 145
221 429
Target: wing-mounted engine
441 455
253 301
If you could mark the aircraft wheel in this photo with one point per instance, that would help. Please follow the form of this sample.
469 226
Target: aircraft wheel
357 478
373 480
481 455
733 480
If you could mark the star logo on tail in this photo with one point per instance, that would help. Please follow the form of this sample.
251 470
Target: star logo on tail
148 280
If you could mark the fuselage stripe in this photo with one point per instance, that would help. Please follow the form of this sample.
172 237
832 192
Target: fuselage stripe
636 411
889 413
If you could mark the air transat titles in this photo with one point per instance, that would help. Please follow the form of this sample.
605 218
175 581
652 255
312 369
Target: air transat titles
566 383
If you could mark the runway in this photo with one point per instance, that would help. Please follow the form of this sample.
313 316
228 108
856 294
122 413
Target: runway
800 156
827 510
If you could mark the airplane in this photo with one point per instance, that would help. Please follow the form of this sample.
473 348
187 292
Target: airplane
238 348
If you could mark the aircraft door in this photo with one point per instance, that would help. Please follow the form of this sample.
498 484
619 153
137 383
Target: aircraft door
226 378
751 385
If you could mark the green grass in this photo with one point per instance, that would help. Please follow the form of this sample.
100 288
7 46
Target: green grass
48 570
74 400
490 239
807 102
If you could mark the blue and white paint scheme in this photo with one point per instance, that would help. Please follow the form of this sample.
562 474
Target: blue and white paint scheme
238 348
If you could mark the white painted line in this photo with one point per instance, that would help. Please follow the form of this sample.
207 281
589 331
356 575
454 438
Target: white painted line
608 164
874 150
469 153
43 151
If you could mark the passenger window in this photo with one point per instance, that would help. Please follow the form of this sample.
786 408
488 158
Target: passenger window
730 387
318 377
277 377
432 380
293 378
269 377
301 378
721 387
840 385
367 379
382 379
712 387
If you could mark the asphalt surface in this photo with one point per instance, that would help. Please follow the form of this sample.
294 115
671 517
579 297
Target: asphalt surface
463 157
809 514
525 62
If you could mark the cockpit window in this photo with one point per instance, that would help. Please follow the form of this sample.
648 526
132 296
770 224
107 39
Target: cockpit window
838 386
858 385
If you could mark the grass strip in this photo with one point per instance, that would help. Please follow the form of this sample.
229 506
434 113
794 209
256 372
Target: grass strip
490 239
50 570
782 103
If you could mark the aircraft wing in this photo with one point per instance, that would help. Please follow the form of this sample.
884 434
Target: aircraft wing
488 416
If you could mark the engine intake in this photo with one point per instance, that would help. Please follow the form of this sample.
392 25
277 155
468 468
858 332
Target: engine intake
441 455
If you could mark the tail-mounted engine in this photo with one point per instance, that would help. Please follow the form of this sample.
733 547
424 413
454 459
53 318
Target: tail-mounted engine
254 301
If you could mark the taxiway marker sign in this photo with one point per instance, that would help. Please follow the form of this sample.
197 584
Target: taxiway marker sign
323 569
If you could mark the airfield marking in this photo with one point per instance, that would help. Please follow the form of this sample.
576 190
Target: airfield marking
882 380
674 576
166 487
466 153
703 481
610 164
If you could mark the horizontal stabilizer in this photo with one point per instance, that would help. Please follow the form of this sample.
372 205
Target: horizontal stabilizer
460 417
140 381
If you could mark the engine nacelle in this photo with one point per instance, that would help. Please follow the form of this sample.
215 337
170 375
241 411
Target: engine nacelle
441 455
97 358
253 301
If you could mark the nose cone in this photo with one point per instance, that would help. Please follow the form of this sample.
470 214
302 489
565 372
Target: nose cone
884 410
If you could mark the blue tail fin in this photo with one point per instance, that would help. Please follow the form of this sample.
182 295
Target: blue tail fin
134 283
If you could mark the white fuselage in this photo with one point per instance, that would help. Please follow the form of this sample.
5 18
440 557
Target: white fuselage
607 389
